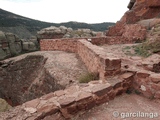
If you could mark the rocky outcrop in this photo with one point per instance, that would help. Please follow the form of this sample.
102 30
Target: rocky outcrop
140 10
64 32
25 79
11 45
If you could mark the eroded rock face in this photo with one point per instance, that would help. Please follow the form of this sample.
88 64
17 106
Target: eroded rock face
24 80
139 10
11 45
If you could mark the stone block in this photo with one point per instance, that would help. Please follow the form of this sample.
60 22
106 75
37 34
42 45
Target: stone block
101 99
33 103
120 91
69 111
48 96
66 101
83 96
47 110
155 78
59 93
86 104
111 94
128 76
110 63
101 89
142 74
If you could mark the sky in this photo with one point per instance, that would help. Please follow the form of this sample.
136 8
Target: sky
57 11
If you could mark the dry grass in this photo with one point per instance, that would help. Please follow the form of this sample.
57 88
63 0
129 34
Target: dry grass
87 77
147 48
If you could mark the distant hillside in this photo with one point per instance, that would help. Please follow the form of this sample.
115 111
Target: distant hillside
26 27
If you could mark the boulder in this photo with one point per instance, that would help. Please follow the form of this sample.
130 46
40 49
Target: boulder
3 53
2 37
29 46
10 37
15 48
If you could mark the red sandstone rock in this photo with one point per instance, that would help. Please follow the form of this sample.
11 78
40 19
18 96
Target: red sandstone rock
83 96
33 103
157 95
134 32
142 74
59 93
153 3
126 75
155 78
66 101
48 110
101 89
155 87
149 23
141 10
69 111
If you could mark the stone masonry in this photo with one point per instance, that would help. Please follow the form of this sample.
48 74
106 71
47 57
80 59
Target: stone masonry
94 57
63 104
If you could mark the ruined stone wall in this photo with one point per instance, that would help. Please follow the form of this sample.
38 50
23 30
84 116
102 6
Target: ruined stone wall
94 57
69 45
64 104
147 83
97 60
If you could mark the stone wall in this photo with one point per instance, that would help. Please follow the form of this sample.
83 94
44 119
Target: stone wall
97 61
147 83
64 104
68 45
94 57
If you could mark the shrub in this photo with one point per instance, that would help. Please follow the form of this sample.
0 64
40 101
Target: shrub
87 77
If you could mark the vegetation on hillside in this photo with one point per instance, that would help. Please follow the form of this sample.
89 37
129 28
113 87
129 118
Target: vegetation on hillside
12 21
148 48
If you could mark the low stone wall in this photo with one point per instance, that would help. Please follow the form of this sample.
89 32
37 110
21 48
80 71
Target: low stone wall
69 45
94 57
64 104
98 61
147 83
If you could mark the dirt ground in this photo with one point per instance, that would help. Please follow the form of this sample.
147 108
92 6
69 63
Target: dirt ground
122 108
65 67
130 60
